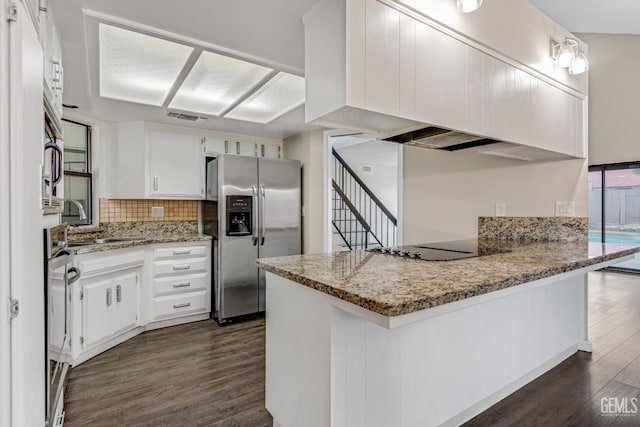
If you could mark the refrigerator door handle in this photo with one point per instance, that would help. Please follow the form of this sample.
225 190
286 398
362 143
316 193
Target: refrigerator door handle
262 223
255 215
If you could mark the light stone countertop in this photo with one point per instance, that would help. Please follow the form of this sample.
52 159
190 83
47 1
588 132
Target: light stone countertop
392 286
145 240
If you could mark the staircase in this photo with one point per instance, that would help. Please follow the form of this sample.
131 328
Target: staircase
360 220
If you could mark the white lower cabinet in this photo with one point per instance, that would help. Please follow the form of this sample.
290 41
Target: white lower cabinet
109 306
124 292
181 281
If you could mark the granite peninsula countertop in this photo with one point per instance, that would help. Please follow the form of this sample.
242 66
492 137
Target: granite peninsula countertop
143 240
394 286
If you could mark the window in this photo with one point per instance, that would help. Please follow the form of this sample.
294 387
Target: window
78 195
614 206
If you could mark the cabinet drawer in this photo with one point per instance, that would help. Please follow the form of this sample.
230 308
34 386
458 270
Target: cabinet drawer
182 284
182 266
179 305
183 251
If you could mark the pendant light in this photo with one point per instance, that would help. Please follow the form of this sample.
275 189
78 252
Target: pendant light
466 6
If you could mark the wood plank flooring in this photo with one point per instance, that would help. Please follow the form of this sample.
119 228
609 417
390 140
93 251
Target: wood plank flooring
202 375
196 374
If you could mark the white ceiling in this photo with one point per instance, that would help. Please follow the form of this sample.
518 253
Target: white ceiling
267 32
593 16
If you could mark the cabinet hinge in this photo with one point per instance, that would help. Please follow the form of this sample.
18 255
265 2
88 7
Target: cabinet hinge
70 342
12 11
14 308
81 295
81 341
279 152
137 278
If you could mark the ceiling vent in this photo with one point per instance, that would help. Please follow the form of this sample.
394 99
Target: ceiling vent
182 116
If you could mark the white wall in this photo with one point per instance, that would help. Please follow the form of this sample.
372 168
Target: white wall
614 91
383 159
446 192
307 147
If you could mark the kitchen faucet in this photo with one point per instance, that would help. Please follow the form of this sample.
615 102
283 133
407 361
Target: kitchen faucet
82 215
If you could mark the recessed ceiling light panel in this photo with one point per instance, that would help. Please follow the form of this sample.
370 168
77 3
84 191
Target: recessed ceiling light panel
136 67
216 82
278 96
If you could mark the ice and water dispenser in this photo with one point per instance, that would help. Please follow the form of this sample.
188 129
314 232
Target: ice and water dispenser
239 215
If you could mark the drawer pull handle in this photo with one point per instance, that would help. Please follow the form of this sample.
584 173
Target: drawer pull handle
119 293
183 252
182 285
183 305
181 267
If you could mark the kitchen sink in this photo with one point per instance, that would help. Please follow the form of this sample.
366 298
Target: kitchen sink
87 242
117 239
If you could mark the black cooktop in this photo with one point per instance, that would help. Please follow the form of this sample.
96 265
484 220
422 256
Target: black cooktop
443 251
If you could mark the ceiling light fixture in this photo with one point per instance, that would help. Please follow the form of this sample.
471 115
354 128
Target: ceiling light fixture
568 55
216 83
137 67
466 6
278 96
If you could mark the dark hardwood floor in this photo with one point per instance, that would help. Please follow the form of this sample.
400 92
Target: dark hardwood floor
197 374
201 374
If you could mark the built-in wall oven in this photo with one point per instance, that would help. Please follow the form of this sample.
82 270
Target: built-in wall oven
59 275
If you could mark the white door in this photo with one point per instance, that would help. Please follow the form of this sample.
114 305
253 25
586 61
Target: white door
175 165
126 302
97 311
23 157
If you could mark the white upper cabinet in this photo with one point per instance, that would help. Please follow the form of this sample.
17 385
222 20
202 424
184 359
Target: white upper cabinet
175 165
391 71
162 162
53 70
148 161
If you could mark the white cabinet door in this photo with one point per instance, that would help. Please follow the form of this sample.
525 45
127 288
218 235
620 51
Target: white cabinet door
175 165
126 302
382 58
429 74
97 308
245 148
271 151
53 71
215 145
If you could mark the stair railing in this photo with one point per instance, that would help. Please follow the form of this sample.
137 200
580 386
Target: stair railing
353 236
383 225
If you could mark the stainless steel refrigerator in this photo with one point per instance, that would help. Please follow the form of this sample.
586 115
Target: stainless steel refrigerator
252 211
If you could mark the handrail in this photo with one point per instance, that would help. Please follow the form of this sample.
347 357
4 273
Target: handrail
366 189
352 208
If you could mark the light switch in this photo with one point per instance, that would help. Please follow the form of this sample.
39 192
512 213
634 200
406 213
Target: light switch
157 211
565 208
501 209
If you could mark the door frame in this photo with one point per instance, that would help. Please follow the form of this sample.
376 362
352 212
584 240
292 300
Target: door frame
5 259
327 187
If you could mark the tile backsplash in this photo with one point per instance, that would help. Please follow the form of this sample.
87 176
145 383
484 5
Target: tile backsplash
121 210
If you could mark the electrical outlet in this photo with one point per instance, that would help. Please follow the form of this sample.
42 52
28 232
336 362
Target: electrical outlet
157 211
564 208
501 209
